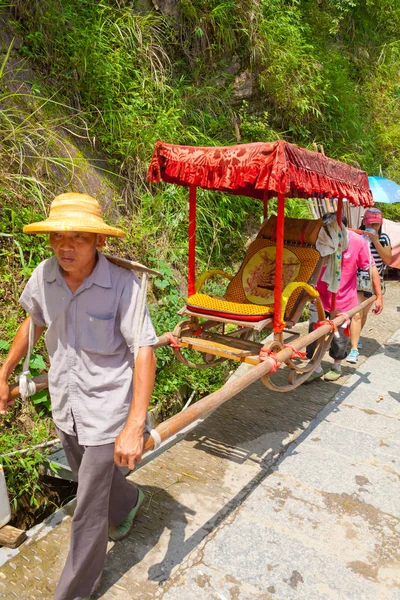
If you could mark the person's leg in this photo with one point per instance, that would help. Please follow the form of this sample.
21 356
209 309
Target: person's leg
340 346
73 451
318 372
313 318
89 529
338 351
123 497
355 327
365 315
357 324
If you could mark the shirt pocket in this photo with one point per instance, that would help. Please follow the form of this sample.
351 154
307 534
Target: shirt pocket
98 333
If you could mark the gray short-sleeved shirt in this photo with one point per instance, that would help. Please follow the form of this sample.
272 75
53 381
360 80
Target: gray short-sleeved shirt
90 341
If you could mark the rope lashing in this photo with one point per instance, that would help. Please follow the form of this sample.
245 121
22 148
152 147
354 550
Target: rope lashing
198 332
266 353
296 353
327 322
153 433
27 387
172 341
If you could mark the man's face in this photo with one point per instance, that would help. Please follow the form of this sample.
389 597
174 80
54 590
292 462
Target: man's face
74 250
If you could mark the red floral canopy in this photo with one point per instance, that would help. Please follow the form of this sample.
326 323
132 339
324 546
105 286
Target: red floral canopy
260 170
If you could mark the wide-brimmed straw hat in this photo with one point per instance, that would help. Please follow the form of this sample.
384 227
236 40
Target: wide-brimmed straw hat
74 212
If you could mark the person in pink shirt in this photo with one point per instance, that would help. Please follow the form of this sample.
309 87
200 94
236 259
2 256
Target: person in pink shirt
355 257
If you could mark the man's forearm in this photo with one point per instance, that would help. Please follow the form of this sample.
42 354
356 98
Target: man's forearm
19 348
143 383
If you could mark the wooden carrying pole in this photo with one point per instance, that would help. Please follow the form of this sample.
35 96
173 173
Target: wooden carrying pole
209 403
41 382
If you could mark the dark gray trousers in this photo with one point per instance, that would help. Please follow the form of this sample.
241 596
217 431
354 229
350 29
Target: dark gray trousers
104 498
339 347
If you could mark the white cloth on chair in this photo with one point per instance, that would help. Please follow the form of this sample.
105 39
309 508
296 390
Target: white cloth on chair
332 242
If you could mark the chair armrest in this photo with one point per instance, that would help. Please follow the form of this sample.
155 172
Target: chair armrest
292 287
203 278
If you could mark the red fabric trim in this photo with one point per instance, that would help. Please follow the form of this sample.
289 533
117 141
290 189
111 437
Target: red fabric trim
326 322
172 341
227 315
265 354
265 202
192 241
339 213
296 353
280 221
258 169
333 305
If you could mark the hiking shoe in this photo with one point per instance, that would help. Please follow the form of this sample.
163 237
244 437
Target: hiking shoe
124 528
314 376
359 344
332 375
353 356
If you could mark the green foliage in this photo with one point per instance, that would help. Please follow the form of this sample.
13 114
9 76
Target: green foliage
324 72
390 211
164 311
23 428
40 400
175 382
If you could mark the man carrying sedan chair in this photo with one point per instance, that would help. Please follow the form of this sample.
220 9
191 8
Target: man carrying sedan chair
99 403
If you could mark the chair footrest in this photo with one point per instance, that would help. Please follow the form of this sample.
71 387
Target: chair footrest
218 349
257 326
232 342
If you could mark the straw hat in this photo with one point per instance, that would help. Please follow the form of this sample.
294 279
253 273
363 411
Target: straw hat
74 212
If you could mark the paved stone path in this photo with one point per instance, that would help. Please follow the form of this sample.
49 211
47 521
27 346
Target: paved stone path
326 522
268 498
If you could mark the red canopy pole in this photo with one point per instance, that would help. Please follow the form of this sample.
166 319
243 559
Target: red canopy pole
265 204
278 324
340 212
332 313
192 241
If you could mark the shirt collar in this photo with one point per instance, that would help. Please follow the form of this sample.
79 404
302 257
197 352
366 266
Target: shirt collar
101 273
99 276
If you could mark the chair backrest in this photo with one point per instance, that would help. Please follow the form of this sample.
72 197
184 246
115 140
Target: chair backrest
254 282
297 231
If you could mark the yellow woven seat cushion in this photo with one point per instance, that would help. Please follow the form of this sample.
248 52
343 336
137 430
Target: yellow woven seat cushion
203 301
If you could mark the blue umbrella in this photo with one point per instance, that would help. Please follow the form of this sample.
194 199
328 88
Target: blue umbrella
384 190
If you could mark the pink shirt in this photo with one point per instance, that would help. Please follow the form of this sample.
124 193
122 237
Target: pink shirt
357 256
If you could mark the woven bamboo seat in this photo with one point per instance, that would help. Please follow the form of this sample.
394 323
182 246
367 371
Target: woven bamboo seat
214 306
250 293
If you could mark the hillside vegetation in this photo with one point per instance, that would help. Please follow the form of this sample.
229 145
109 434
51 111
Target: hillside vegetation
88 87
